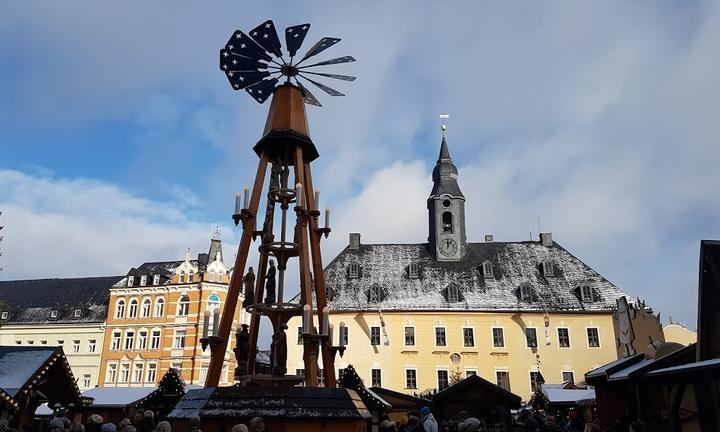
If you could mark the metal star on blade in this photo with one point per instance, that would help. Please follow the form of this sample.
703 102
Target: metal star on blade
266 36
294 37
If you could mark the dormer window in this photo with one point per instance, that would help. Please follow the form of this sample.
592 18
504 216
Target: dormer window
212 276
131 281
143 280
447 222
453 293
156 279
487 270
190 276
375 294
586 293
354 271
547 268
4 315
54 314
526 293
77 313
413 271
182 277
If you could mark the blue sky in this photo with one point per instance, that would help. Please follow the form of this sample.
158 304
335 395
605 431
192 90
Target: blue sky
122 142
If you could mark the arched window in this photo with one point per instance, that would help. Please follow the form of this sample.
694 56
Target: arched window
120 309
375 294
183 306
453 293
159 307
487 269
145 311
447 222
212 276
132 310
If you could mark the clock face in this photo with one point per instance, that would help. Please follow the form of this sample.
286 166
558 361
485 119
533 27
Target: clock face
448 247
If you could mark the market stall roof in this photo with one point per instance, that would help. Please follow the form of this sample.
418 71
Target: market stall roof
695 367
556 394
667 355
481 389
116 396
18 364
400 400
610 368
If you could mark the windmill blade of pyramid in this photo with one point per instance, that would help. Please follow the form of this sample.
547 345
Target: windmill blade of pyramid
240 80
262 90
309 98
319 47
243 45
294 37
329 90
231 62
335 76
337 60
266 36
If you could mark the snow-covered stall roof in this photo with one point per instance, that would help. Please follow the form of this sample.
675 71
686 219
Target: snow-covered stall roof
513 264
117 396
20 363
558 395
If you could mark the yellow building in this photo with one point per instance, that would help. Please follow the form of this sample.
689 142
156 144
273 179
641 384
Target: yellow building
156 319
59 312
675 332
416 317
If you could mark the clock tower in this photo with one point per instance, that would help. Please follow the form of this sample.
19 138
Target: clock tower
446 210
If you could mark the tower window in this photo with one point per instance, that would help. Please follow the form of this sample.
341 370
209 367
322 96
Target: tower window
447 222
446 203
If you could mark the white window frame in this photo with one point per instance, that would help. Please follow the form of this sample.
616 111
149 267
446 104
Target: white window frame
153 346
159 309
124 373
437 377
587 335
416 379
138 378
130 281
133 313
342 329
405 336
354 271
111 373
120 308
54 313
129 343
470 371
548 268
156 279
143 280
87 380
179 339
151 377
492 336
372 378
77 313
557 332
379 339
474 338
116 340
537 341
145 312
487 268
507 373
183 308
92 345
530 378
444 329
4 315
562 378
414 270
211 275
142 341
76 346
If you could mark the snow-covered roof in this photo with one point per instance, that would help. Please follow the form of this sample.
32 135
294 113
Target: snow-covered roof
689 367
117 396
558 395
31 301
19 364
514 263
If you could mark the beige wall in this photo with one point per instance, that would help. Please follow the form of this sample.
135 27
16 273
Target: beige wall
680 334
84 360
482 358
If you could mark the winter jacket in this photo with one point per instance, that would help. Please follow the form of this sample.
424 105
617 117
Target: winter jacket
430 425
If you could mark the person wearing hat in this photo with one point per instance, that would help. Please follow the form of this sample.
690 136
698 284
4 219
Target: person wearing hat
429 423
56 425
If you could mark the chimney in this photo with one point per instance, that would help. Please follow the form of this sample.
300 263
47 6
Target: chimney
488 238
546 239
354 241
